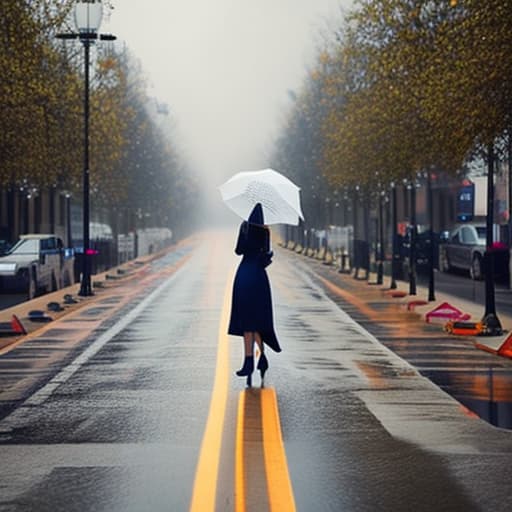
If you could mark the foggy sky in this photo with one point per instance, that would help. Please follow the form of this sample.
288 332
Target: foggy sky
224 68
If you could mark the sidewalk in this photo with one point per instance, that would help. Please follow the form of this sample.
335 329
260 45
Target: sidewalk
378 302
103 285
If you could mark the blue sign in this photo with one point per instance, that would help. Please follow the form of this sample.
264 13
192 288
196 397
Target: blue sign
466 203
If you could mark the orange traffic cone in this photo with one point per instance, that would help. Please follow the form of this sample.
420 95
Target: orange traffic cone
505 349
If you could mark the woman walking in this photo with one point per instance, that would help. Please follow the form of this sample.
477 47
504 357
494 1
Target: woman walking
251 306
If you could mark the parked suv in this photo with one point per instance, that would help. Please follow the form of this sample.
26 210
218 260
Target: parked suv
36 264
465 249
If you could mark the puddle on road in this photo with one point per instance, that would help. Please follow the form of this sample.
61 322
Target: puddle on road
487 393
482 389
379 373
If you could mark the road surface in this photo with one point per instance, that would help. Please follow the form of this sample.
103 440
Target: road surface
131 403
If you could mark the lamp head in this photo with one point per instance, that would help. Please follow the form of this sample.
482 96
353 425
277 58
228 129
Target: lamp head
88 14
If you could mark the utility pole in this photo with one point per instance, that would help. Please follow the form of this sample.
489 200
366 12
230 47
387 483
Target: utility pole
431 293
380 265
490 319
412 237
396 250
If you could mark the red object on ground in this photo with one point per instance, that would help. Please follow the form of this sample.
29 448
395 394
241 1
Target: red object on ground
464 328
505 349
413 303
17 326
444 312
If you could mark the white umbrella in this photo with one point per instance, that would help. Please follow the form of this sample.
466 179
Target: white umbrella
278 196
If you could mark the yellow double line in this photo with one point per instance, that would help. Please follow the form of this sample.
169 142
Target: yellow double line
278 485
266 419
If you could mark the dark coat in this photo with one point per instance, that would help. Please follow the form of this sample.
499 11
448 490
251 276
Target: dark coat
251 305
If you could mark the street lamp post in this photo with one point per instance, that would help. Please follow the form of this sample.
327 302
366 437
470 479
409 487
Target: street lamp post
85 285
69 236
396 250
65 196
490 318
380 264
88 16
430 200
412 240
355 256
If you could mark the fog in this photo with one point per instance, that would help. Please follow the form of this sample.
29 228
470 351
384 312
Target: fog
224 68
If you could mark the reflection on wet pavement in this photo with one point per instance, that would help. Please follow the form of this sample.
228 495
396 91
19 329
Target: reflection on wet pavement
487 392
479 381
363 431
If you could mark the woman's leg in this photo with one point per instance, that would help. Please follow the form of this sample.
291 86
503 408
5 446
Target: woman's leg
262 363
248 366
249 343
259 342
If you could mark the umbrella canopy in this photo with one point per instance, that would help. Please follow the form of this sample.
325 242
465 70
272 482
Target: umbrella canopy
279 197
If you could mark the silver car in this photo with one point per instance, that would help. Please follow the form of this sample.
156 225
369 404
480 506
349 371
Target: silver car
465 249
35 264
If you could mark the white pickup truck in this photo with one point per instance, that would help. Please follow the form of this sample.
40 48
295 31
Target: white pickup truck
36 264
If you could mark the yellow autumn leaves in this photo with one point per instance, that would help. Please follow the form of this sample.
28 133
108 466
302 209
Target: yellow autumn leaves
41 114
407 86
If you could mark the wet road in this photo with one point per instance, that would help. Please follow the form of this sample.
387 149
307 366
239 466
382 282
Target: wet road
480 381
124 423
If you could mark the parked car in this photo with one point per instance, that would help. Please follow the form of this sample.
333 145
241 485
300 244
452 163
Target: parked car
36 264
465 250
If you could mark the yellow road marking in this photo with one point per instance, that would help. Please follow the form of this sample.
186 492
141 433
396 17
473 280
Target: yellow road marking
280 492
205 483
279 488
278 484
239 457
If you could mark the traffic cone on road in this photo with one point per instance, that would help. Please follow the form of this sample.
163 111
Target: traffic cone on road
17 326
505 349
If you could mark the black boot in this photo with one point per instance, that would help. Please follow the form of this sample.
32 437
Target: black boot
262 366
247 370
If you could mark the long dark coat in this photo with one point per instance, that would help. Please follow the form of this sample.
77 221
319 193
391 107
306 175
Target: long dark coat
251 305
